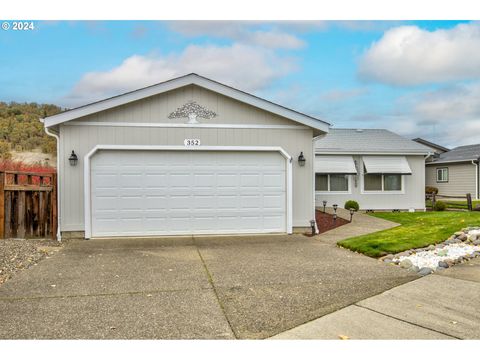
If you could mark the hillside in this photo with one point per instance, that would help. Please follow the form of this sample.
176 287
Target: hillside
22 133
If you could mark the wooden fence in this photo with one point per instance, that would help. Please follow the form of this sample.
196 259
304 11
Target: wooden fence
28 204
446 198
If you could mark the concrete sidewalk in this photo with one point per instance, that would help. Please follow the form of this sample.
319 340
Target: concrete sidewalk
361 224
439 306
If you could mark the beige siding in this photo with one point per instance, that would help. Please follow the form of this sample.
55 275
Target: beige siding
413 195
83 138
156 109
461 179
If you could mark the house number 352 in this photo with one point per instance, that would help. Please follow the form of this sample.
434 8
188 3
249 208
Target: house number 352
191 142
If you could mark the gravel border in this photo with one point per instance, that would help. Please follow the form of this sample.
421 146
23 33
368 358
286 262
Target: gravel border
460 247
19 254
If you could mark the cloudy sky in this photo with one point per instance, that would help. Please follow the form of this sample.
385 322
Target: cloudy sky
418 78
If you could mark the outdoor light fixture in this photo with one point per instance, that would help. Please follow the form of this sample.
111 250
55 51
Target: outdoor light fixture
352 210
335 207
334 219
301 159
73 159
312 225
324 204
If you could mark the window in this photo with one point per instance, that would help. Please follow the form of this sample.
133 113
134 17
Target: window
442 175
379 182
321 182
392 182
332 182
373 182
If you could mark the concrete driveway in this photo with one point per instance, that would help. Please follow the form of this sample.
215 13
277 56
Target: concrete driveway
187 288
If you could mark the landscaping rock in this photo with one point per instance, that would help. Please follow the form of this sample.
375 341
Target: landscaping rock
462 237
442 252
450 262
443 264
388 261
456 249
406 263
425 271
414 268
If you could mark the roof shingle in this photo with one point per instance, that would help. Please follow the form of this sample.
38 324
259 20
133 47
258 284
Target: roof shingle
367 141
460 153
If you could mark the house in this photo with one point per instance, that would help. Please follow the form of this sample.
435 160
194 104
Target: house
186 156
377 168
434 148
455 172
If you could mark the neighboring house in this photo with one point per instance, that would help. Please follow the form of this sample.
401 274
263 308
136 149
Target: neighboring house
435 148
186 156
455 172
377 168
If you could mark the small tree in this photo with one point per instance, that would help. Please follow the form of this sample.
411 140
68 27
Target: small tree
5 150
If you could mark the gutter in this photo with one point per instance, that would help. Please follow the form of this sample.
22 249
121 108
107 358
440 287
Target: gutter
477 190
50 133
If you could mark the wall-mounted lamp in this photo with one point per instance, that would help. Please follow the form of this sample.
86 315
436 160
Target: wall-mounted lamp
73 159
301 159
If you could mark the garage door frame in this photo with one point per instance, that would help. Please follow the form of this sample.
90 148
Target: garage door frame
87 172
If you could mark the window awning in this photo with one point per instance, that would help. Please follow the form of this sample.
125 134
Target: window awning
386 165
325 164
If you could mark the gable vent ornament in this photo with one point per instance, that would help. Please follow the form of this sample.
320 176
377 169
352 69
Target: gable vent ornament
192 111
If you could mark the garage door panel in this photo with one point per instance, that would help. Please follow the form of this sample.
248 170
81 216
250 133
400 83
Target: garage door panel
178 202
170 193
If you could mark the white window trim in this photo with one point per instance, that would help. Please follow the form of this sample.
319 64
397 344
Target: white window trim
382 192
328 192
443 170
88 156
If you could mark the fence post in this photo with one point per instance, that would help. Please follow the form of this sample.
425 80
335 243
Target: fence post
2 205
469 202
433 200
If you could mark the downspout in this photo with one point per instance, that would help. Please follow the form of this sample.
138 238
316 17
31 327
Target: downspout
59 218
313 182
477 187
425 179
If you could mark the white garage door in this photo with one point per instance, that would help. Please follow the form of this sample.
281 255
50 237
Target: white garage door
135 193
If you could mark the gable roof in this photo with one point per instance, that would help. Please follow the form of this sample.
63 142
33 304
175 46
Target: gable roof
190 79
431 144
459 154
367 141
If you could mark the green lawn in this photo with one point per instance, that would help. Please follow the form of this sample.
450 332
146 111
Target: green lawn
452 204
416 230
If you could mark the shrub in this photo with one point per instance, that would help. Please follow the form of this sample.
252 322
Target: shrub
439 206
351 204
431 190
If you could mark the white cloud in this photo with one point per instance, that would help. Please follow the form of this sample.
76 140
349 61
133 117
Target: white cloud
246 67
408 55
449 116
273 35
337 95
